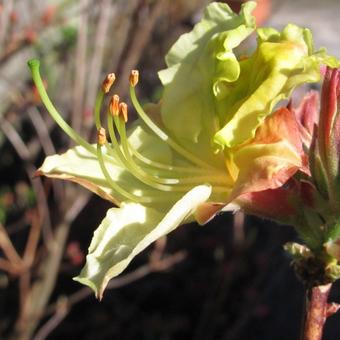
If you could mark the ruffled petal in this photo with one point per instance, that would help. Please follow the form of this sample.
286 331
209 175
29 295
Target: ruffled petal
282 61
197 62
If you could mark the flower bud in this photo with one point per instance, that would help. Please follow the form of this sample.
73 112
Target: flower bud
328 138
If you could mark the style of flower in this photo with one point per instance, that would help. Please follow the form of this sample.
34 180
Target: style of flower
214 138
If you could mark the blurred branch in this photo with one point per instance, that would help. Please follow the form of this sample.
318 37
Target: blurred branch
140 34
60 314
24 154
8 249
5 16
48 270
42 131
155 266
46 143
98 55
81 74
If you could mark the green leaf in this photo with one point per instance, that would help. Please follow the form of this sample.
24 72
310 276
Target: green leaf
128 230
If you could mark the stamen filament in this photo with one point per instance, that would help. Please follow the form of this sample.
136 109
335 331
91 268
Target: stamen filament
105 88
114 185
116 147
162 135
154 181
34 66
97 108
135 169
171 168
128 162
197 174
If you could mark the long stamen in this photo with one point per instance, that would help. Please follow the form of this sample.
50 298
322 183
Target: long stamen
126 157
156 181
34 66
116 148
159 132
196 175
102 141
135 169
188 170
105 88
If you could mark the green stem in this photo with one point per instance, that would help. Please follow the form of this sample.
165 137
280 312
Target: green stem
34 66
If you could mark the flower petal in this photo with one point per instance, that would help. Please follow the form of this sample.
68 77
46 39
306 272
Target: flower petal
80 166
128 230
329 132
272 157
275 204
281 62
195 63
307 114
207 211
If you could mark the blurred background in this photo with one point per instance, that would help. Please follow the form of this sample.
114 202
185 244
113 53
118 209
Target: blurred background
227 280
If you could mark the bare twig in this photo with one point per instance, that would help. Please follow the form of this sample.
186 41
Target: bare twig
158 250
85 292
23 152
141 35
316 311
42 130
80 74
10 267
7 247
46 143
238 228
13 136
164 264
54 321
42 288
32 241
99 48
30 32
5 15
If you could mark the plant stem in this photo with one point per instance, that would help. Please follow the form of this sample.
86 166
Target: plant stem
316 311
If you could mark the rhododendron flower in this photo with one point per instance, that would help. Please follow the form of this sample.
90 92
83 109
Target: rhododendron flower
213 139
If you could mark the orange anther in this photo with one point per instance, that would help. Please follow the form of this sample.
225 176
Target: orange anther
134 77
123 111
108 81
114 105
101 136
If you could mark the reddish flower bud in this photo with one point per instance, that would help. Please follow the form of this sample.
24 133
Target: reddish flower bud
329 134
